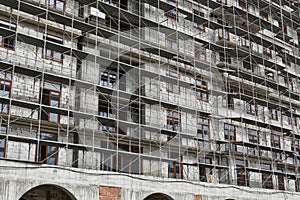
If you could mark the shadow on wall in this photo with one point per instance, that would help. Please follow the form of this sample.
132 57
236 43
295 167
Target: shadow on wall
158 196
45 192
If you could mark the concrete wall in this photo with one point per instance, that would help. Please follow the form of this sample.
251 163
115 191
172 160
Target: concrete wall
85 184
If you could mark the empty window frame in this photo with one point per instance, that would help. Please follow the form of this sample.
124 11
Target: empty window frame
5 91
243 5
48 153
284 27
267 181
248 66
7 42
253 138
225 58
108 78
2 147
50 54
205 168
286 62
175 169
200 52
297 185
57 4
228 101
290 84
201 90
122 3
295 147
292 120
171 44
273 114
267 52
246 43
280 180
173 121
172 14
269 74
174 86
50 95
113 22
275 143
264 15
105 110
3 131
223 34
107 127
203 128
230 136
242 173
198 13
251 108
106 163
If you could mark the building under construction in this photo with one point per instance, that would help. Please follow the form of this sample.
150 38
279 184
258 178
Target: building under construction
149 99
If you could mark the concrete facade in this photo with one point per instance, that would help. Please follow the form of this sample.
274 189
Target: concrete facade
87 185
146 100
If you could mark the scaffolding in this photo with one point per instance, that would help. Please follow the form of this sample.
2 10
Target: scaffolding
201 90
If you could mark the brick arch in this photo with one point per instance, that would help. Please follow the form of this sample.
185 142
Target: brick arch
158 196
46 191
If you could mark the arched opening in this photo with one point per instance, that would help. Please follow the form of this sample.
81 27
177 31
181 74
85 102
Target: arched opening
47 192
158 196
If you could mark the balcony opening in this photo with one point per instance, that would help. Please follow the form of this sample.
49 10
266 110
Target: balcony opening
176 167
3 132
251 108
5 91
230 136
253 138
201 90
173 121
241 173
7 41
50 95
228 100
223 34
275 143
173 86
108 113
267 180
48 153
50 54
56 4
243 5
203 132
124 4
225 58
205 168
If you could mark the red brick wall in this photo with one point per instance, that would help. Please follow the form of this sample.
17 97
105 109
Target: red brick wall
198 197
109 193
